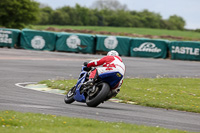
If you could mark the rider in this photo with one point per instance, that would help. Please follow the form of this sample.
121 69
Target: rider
111 62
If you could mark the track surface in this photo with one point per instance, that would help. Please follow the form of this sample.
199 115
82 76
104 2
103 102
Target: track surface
18 66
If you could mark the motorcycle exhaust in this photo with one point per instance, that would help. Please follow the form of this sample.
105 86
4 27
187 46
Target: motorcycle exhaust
117 90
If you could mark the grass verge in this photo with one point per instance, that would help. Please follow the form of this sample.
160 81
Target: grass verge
141 31
169 93
17 122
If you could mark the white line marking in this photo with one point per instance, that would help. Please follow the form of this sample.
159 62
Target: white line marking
36 106
27 105
21 85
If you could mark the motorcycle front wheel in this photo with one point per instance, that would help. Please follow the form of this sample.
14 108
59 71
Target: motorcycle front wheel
69 98
98 95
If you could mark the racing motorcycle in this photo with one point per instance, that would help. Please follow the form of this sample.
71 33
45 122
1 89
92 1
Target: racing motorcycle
102 90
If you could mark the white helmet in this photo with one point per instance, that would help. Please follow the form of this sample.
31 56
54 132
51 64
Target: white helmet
113 53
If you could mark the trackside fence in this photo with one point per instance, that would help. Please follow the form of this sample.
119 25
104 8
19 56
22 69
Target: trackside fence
185 50
37 40
149 48
9 37
92 44
69 42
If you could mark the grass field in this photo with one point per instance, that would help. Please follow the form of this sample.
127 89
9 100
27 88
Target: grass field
141 31
169 93
15 122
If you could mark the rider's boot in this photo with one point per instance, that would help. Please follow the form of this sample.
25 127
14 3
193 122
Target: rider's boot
92 77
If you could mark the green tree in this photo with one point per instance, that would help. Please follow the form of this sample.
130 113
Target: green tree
81 15
71 12
108 4
149 19
100 17
45 15
93 19
78 15
60 18
103 16
121 18
175 23
18 13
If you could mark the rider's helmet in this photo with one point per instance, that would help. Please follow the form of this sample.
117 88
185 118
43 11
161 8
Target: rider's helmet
113 53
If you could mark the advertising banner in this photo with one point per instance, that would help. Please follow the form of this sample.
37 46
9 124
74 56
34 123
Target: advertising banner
148 48
38 40
9 37
118 43
70 42
186 50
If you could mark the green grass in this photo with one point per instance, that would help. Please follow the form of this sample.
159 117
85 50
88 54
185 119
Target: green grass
170 93
59 84
16 122
142 31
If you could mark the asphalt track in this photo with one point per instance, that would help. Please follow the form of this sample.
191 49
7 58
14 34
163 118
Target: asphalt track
19 66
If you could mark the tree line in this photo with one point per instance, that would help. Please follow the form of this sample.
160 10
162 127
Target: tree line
84 16
19 13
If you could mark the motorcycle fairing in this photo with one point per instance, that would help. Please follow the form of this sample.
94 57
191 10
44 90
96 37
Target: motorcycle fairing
112 78
80 97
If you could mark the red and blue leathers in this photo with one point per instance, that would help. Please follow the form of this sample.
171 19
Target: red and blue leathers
107 63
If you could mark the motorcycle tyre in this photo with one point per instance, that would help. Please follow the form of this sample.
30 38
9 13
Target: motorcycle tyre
67 99
101 96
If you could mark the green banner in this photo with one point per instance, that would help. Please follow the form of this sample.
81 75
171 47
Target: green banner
9 37
185 50
120 44
148 48
38 40
70 42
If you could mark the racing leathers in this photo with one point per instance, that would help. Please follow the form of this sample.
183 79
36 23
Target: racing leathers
105 64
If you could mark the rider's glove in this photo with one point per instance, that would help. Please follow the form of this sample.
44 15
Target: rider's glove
85 63
87 69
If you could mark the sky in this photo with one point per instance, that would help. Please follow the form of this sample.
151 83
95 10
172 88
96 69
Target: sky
189 10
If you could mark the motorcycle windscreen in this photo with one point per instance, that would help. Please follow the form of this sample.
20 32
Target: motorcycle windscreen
112 78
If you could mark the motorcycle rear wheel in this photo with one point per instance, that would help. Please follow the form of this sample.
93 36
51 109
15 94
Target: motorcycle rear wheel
69 98
98 96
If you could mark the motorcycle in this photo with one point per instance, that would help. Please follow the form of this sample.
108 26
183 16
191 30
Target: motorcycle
102 90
